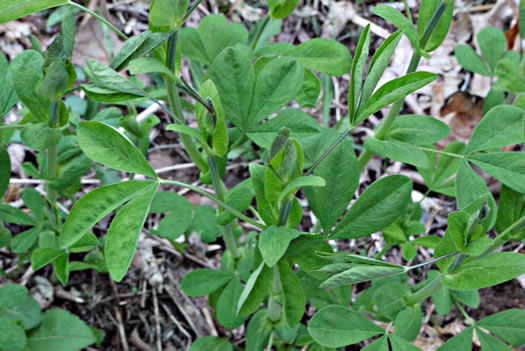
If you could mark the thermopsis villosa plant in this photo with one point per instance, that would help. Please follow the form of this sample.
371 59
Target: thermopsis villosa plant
241 85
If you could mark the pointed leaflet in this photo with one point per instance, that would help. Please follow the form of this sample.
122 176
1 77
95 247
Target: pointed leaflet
257 288
511 208
14 9
408 323
201 282
300 182
493 43
487 271
361 273
211 343
149 65
378 65
107 78
426 12
97 204
274 241
5 170
292 293
226 311
470 186
398 151
310 91
507 167
136 47
44 256
8 96
233 74
441 176
277 84
461 341
510 76
508 325
418 129
208 90
60 328
322 55
395 17
106 145
501 126
491 343
379 206
340 170
393 91
26 73
124 233
337 326
358 68
258 332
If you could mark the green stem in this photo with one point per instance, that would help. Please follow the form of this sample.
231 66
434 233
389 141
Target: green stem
176 106
216 200
433 260
270 342
260 32
327 152
274 307
442 152
100 18
285 212
51 171
425 292
500 239
469 319
227 232
13 126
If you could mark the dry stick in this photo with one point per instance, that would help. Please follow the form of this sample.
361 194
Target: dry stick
157 319
176 322
120 323
138 342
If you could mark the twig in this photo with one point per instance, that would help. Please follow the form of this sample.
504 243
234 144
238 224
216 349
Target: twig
176 322
120 323
138 342
157 319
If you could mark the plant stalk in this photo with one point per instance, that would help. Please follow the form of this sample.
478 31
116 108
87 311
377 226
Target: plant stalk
100 18
274 307
51 171
424 293
229 238
176 106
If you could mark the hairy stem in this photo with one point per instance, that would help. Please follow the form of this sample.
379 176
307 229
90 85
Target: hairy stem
100 18
424 293
274 307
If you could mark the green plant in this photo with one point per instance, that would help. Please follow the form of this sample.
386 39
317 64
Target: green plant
241 84
25 327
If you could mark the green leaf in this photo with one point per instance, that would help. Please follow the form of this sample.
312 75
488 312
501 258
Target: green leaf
381 344
145 65
487 271
124 233
258 332
61 331
393 91
43 256
426 11
398 151
162 17
300 123
501 126
107 78
24 241
408 323
211 343
281 9
233 74
490 343
292 293
508 325
379 206
358 68
277 84
343 256
40 136
300 182
105 95
214 35
391 299
8 96
166 201
205 223
322 55
5 170
179 128
106 145
16 305
441 177
257 288
340 170
87 243
274 241
201 282
13 337
400 344
510 76
361 273
97 204
310 91
226 311
14 9
240 198
418 129
207 91
511 209
461 341
395 17
470 60
26 72
507 167
137 47
337 326
11 214
470 186
493 43
378 65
